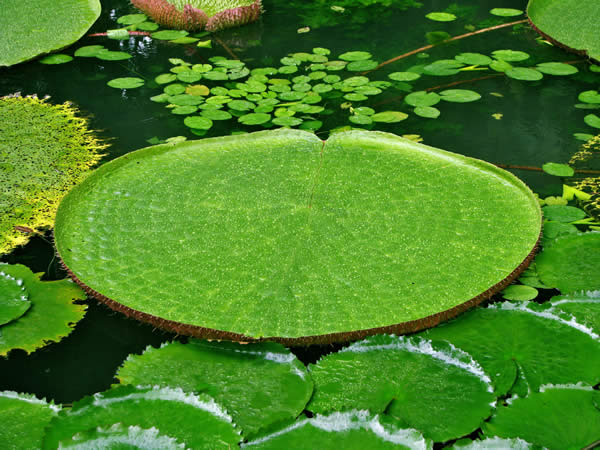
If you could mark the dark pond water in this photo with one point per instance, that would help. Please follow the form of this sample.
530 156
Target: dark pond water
537 123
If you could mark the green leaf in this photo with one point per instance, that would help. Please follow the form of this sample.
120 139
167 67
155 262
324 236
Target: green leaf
556 68
360 119
120 437
389 116
165 78
241 105
513 341
589 97
563 213
585 307
14 299
169 35
441 16
592 120
120 34
569 23
422 98
443 67
132 19
216 114
89 51
436 37
428 112
56 58
107 55
354 56
189 76
519 292
276 264
287 121
254 118
459 95
355 81
347 430
50 318
500 66
37 27
198 122
258 384
147 26
553 230
506 12
473 59
354 97
194 419
23 418
359 66
524 74
510 55
185 110
571 263
404 76
190 40
126 83
559 170
186 100
437 390
558 417
491 444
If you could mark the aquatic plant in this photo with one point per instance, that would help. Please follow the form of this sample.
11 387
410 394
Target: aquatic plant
213 15
46 149
28 33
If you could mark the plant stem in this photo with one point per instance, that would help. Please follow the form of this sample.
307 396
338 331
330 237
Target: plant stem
539 169
227 49
455 38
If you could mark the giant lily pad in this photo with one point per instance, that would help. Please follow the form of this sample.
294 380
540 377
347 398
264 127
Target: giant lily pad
36 27
437 390
280 235
573 24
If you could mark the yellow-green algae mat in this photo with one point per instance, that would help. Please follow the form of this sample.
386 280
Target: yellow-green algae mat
278 235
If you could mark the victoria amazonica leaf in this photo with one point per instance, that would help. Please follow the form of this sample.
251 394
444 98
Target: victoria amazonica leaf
37 27
118 436
437 390
52 314
278 234
557 417
23 418
352 430
258 384
572 24
14 300
516 344
195 420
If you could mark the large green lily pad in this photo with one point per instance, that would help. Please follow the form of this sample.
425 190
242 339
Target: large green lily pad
36 27
572 24
280 235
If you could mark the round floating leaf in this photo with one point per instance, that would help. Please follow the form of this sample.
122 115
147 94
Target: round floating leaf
23 418
186 100
571 263
404 76
360 119
359 66
254 118
120 437
175 89
584 307
559 170
287 121
108 55
500 66
354 56
194 419
592 120
89 51
589 97
563 213
37 27
524 74
14 300
354 97
389 116
56 59
241 105
441 392
441 16
506 12
473 59
443 67
556 68
459 95
519 292
132 19
558 417
147 26
126 83
165 78
216 114
347 430
521 348
510 55
364 110
169 35
553 230
311 125
185 110
50 318
569 23
472 211
198 122
189 76
428 112
422 98
258 384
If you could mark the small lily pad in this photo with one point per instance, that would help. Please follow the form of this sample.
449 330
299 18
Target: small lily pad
404 76
389 116
422 98
524 74
355 56
57 58
506 12
169 35
132 19
89 51
189 76
592 120
510 55
459 95
519 292
556 68
429 112
559 170
126 83
120 35
254 118
359 66
441 17
443 67
563 213
473 59
287 121
108 55
360 119
198 122
589 97
216 114
165 78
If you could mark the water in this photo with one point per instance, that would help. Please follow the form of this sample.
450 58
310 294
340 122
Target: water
538 119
